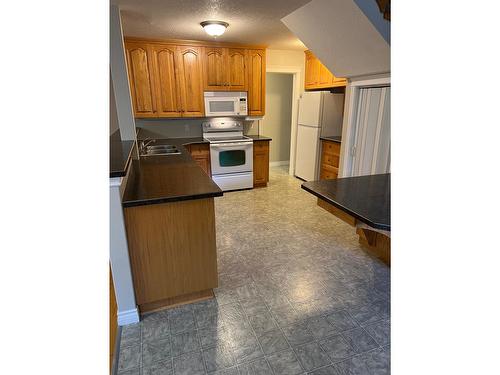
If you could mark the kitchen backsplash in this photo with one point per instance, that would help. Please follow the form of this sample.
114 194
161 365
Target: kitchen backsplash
184 128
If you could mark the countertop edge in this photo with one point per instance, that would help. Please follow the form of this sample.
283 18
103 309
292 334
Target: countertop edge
149 202
323 138
257 137
346 210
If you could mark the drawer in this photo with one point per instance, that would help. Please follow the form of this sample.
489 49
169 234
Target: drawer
330 159
331 147
199 149
260 145
328 172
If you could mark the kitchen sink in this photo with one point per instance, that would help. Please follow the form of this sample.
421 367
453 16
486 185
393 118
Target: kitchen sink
159 150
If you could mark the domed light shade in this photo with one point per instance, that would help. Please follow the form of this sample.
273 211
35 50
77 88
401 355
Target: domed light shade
214 28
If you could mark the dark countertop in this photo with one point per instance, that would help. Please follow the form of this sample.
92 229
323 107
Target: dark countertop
119 155
367 198
171 178
334 138
259 137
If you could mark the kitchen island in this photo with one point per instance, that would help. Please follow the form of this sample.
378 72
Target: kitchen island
168 206
363 202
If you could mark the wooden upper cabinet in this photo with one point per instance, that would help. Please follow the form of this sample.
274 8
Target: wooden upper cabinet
312 70
237 73
166 81
317 76
325 77
256 82
214 68
224 69
191 83
141 79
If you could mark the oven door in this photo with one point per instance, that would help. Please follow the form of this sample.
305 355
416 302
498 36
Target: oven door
234 157
221 106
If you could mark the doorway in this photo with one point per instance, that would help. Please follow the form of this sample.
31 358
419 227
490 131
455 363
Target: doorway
277 122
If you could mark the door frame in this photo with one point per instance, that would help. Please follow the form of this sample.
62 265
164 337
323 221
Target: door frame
296 91
351 102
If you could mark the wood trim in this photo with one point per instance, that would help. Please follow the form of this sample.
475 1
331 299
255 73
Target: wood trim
169 303
195 43
337 212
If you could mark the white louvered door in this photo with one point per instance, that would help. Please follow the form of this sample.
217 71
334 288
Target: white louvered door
372 142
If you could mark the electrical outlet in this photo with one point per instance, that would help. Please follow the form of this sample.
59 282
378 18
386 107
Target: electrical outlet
186 128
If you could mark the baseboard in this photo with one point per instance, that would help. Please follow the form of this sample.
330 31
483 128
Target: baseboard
279 163
128 317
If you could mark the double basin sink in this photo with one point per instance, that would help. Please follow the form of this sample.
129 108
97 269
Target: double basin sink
157 150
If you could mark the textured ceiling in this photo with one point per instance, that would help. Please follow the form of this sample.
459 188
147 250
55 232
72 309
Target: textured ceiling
250 21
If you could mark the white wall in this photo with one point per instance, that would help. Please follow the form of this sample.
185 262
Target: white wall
286 59
119 77
277 122
113 116
341 36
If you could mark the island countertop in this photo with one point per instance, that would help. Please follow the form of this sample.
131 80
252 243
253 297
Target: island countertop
169 178
367 198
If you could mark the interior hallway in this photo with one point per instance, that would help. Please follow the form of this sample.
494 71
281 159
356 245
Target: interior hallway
296 295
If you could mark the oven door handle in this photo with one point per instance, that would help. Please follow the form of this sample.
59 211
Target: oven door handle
221 146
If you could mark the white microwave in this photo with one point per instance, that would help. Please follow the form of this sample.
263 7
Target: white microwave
225 103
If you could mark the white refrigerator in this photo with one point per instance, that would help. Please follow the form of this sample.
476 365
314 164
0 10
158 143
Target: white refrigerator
320 114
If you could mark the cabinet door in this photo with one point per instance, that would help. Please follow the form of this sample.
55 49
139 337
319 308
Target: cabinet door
214 68
236 66
325 77
256 82
140 78
166 81
312 70
190 80
260 163
336 81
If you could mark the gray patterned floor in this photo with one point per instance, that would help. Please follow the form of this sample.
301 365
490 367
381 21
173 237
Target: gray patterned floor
297 295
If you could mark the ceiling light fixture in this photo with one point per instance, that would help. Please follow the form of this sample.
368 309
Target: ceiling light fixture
214 28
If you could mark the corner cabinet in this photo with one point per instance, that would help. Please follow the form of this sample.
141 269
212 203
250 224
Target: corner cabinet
256 82
200 152
167 79
317 76
260 163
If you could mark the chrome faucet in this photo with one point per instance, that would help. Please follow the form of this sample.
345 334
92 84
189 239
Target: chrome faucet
144 144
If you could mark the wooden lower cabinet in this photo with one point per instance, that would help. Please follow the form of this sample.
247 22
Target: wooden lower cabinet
330 158
260 163
172 251
201 155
